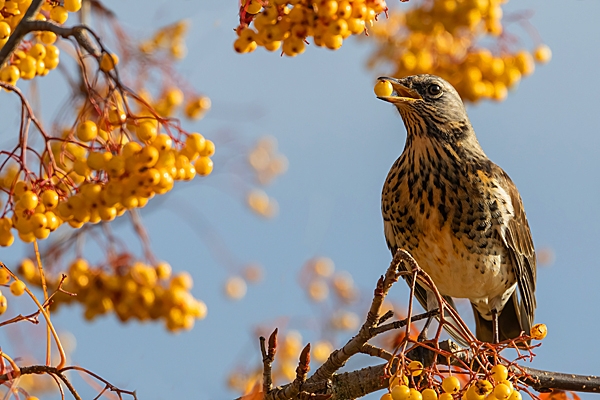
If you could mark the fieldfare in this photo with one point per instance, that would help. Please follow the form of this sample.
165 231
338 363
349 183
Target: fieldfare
458 214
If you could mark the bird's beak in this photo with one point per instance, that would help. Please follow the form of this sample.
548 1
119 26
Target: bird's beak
401 94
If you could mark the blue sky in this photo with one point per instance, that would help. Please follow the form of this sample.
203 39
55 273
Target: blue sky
340 142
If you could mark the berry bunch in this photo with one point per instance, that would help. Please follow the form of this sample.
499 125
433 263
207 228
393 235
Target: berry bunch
288 23
170 39
35 57
100 174
133 291
266 161
441 37
499 388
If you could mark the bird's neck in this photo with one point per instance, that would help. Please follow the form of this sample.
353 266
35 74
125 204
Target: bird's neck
455 138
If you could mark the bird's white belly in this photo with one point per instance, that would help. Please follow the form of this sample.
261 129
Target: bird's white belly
459 273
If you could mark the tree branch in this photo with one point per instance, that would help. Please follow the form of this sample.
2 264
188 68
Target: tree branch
29 24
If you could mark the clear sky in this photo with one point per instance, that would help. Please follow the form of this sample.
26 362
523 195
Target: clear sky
340 142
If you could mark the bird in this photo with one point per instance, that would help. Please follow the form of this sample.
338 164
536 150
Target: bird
457 213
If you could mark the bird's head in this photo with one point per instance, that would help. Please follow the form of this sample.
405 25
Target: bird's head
428 104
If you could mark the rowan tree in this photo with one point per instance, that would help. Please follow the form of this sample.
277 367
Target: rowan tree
121 142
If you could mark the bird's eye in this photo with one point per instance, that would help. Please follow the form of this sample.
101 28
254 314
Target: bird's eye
434 90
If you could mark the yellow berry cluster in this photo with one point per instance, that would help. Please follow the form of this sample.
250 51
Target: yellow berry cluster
289 23
260 203
319 279
17 288
265 160
442 38
104 175
171 99
38 56
170 38
135 291
499 388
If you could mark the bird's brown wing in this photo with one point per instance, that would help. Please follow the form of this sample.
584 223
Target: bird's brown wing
517 238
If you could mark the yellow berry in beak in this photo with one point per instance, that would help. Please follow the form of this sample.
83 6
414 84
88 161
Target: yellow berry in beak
383 89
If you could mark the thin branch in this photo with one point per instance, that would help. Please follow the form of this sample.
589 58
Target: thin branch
29 24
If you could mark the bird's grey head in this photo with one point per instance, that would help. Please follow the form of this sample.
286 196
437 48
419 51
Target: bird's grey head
429 105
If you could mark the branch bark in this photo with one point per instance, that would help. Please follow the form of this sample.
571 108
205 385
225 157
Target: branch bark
29 24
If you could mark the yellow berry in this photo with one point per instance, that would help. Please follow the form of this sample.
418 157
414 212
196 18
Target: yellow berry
38 221
429 394
3 304
515 395
472 394
147 130
446 396
38 51
174 96
163 270
400 392
4 276
383 89
59 14
415 368
10 73
148 156
502 392
483 387
509 384
235 287
451 384
49 199
108 61
397 379
499 373
28 200
196 142
542 54
203 166
386 396
27 66
17 288
5 30
539 331
73 5
254 7
182 280
6 238
163 142
48 37
87 131
415 395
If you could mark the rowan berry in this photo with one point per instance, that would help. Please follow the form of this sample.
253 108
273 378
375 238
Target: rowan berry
429 394
108 62
59 14
539 331
3 304
400 392
502 392
451 384
383 89
499 372
17 288
72 5
415 368
87 131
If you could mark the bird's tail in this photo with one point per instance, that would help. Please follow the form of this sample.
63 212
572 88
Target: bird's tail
511 322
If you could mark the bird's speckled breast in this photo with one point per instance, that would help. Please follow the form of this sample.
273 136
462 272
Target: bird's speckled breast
450 216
